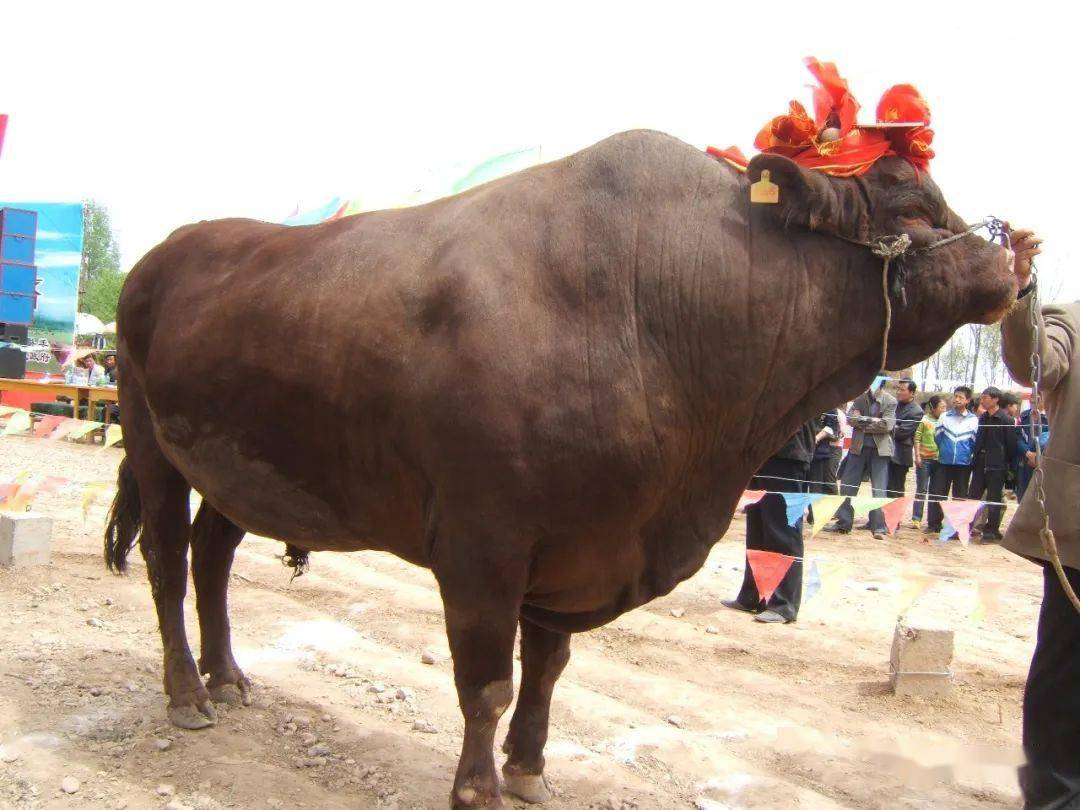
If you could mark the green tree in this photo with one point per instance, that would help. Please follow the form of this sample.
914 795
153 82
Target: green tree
100 278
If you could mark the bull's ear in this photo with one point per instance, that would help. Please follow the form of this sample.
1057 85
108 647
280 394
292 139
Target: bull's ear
809 199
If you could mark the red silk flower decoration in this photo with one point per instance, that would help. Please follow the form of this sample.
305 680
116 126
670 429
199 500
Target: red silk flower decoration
850 149
903 103
832 97
789 134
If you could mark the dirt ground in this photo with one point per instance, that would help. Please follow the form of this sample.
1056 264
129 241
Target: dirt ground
678 704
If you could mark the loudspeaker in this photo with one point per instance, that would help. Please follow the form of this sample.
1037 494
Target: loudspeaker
14 332
12 363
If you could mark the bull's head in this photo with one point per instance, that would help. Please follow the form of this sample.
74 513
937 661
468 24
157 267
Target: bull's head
967 281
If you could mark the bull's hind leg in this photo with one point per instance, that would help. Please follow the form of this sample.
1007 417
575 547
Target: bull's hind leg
164 546
544 655
481 599
214 539
166 530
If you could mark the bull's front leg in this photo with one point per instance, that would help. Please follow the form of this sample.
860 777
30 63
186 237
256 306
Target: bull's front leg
544 655
481 599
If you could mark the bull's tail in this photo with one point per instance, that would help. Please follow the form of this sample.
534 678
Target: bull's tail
125 520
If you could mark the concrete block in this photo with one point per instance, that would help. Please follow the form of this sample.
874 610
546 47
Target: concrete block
25 539
920 660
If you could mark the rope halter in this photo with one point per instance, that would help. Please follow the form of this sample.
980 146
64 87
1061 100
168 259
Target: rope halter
895 247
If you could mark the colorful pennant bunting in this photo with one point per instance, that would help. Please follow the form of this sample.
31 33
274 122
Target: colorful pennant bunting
47 425
863 504
769 569
958 518
797 502
833 576
51 483
812 584
824 510
93 491
894 512
113 434
63 429
83 428
987 600
18 422
912 586
750 496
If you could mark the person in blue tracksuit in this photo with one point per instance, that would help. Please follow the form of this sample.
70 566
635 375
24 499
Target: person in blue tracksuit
955 435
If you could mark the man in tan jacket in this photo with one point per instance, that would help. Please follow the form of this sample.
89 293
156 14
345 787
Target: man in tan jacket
1051 777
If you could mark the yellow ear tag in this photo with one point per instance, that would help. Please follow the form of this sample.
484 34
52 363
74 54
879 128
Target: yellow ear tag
765 190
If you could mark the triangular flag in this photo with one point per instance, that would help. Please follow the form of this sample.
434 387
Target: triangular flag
64 428
824 510
113 434
750 496
18 422
796 503
51 483
833 576
863 504
812 586
987 600
912 586
894 513
21 500
769 569
82 428
958 517
47 425
92 492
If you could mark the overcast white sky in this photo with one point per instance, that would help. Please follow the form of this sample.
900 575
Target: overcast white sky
174 112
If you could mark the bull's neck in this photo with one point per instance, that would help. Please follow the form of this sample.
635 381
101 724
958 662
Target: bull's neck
784 324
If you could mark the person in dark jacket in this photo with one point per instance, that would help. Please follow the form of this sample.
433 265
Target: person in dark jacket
995 447
767 529
908 416
1025 449
828 449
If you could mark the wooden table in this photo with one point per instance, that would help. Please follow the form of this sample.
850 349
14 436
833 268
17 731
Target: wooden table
49 391
105 393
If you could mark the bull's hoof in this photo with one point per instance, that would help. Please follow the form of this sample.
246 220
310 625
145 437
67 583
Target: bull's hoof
469 798
231 694
192 717
532 788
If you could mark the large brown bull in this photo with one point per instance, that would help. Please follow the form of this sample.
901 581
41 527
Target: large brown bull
550 390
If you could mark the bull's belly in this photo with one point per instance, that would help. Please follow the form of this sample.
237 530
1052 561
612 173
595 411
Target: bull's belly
271 500
588 584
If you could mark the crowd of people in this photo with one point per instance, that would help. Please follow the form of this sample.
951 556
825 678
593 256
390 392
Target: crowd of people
974 450
84 370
